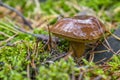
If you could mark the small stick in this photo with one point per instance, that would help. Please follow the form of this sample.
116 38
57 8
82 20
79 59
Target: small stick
54 59
109 47
98 78
2 33
28 71
80 76
38 36
98 52
28 59
49 41
115 36
17 12
100 60
118 52
7 40
91 58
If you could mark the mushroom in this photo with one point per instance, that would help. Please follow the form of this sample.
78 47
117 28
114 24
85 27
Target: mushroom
79 30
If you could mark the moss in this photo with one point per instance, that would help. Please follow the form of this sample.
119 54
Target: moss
21 51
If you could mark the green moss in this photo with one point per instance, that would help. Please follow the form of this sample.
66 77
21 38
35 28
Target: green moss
60 70
14 53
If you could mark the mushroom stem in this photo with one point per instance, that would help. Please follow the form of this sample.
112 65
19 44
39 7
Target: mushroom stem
77 48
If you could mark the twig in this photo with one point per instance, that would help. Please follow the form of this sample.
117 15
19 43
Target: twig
37 9
17 12
7 40
100 60
76 6
80 76
92 52
2 33
73 75
98 78
28 71
49 36
28 59
97 52
118 52
109 47
58 57
33 57
28 65
49 42
38 36
115 36
7 27
9 44
54 59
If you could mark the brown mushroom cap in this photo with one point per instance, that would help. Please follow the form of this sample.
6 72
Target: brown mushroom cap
79 28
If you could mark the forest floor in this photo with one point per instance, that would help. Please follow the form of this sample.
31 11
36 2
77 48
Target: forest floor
25 41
